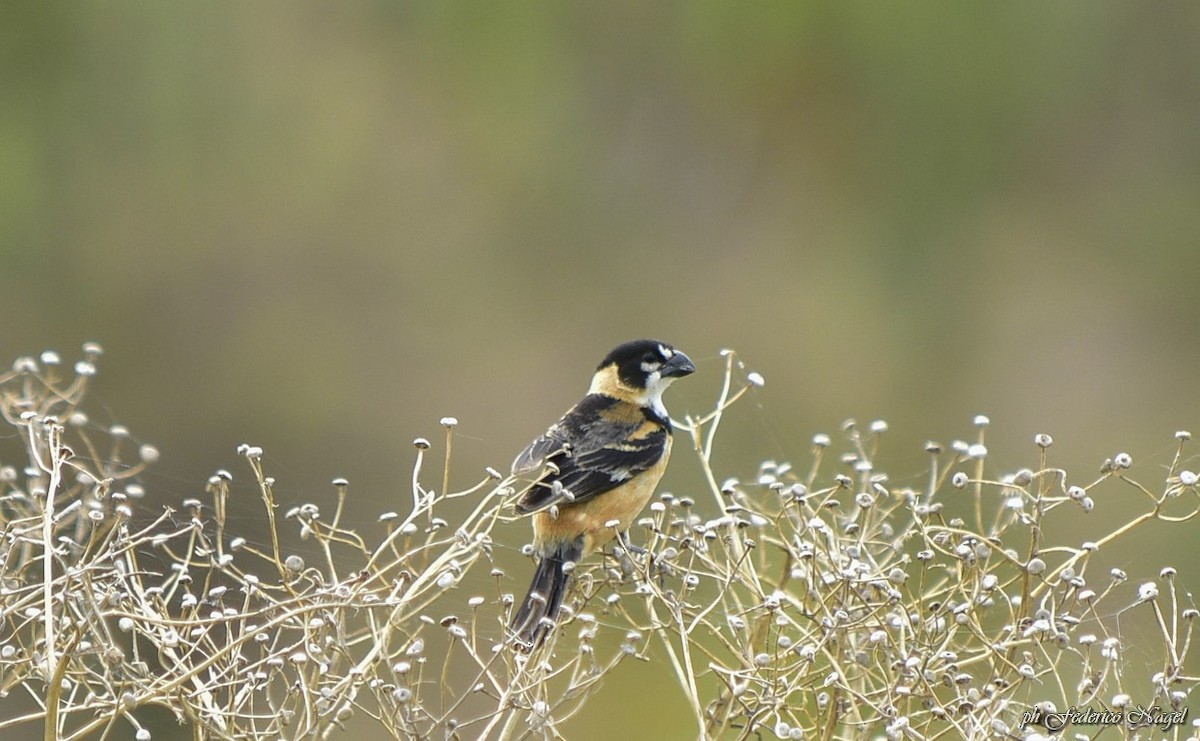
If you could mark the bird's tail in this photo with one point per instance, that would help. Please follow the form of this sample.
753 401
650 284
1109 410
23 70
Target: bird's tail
535 617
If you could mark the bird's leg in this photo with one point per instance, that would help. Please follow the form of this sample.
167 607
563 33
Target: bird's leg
654 568
627 544
624 552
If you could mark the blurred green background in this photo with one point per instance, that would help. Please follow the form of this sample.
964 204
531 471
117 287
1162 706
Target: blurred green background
319 228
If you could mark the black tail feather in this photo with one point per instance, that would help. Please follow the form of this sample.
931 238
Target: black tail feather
535 618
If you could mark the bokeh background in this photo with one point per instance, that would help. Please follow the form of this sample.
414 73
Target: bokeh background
320 228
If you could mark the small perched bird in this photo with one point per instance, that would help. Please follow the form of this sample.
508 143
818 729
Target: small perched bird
595 470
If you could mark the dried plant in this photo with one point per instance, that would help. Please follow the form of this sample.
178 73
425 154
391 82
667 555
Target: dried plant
823 603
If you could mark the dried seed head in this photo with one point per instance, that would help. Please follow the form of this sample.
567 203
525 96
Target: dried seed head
1042 440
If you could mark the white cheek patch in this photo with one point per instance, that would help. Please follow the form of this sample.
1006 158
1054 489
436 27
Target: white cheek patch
655 386
650 368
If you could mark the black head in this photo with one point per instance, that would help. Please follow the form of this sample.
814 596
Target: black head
645 364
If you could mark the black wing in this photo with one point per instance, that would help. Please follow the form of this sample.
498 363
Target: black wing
599 444
546 448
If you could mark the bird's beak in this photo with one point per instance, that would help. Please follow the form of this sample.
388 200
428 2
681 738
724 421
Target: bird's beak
678 365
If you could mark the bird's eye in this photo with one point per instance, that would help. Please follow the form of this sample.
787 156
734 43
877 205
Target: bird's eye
650 358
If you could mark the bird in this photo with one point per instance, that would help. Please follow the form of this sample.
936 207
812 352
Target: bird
593 472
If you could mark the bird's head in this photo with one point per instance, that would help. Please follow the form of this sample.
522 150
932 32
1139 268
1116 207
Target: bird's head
640 371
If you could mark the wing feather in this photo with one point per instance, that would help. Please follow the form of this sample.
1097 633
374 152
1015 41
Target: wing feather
534 457
594 448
